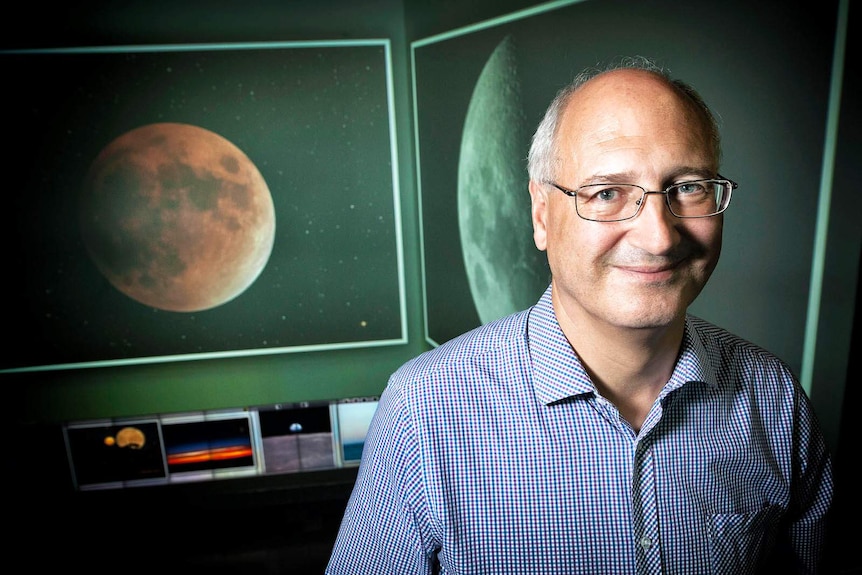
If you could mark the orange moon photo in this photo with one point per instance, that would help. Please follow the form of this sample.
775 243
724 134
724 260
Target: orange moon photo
131 437
177 217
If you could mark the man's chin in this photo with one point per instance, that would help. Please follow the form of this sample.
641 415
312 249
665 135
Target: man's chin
648 314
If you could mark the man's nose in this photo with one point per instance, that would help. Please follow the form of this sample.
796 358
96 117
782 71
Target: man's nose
655 228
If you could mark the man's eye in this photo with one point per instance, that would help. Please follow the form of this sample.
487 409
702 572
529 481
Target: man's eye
607 194
690 188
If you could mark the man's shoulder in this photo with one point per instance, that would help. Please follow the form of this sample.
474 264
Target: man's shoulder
727 349
712 334
504 338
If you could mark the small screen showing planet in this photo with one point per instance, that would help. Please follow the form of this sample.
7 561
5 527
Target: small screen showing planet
108 453
296 437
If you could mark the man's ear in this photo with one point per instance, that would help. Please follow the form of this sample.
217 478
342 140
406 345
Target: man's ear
539 210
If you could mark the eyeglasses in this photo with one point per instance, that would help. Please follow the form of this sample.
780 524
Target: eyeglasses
618 202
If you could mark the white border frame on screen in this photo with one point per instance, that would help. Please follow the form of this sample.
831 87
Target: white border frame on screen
384 43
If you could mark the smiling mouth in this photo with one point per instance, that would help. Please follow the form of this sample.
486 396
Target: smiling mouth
651 273
649 269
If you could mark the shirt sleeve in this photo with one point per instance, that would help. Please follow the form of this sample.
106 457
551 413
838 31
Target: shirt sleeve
385 528
813 496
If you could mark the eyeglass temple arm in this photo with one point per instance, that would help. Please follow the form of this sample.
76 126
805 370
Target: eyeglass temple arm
733 185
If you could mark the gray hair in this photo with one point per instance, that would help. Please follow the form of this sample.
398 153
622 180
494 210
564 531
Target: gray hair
543 158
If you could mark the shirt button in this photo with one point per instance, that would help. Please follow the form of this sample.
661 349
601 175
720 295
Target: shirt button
646 542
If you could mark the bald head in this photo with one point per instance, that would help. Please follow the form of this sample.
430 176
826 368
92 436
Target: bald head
636 89
630 92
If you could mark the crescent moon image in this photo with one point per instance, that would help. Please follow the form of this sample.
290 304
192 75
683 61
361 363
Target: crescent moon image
176 217
505 270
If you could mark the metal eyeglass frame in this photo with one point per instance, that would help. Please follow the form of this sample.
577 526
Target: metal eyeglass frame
719 178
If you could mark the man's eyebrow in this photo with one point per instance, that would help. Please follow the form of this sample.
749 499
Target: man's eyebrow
614 178
690 173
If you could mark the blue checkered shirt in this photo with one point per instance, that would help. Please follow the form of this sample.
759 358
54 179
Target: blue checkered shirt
495 454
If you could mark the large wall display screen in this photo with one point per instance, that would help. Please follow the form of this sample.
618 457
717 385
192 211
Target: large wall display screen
179 202
480 91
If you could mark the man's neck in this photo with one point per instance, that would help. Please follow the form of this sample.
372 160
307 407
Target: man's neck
629 366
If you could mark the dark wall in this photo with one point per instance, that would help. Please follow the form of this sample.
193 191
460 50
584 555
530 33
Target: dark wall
843 246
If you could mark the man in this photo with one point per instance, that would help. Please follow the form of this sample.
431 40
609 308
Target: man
603 430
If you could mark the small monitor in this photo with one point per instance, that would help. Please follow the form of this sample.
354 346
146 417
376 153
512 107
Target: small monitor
296 437
353 417
111 454
208 445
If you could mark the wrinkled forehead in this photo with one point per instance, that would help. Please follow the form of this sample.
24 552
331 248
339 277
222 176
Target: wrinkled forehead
633 108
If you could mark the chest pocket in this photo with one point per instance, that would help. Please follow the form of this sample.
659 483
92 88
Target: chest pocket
740 543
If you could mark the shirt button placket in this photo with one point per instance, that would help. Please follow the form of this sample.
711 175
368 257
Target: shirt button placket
645 510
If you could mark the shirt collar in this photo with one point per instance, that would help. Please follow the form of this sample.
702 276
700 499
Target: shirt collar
559 374
693 363
557 371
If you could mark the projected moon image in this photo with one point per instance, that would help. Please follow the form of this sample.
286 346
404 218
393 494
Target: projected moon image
505 270
177 217
131 437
